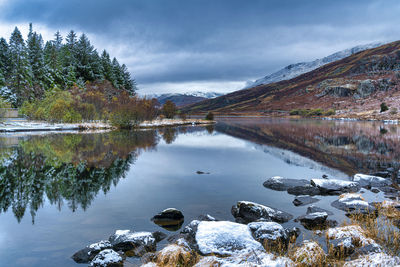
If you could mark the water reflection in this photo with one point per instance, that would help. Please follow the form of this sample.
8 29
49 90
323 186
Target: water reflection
347 146
68 169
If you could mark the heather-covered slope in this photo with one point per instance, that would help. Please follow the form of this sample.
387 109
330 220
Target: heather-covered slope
344 85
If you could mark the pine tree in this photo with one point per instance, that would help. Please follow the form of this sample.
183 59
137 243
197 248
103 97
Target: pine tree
40 77
108 73
128 84
4 57
118 74
20 70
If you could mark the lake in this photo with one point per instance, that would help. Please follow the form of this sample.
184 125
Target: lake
62 191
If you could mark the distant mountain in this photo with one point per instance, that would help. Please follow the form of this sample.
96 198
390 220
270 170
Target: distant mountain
354 86
294 70
184 99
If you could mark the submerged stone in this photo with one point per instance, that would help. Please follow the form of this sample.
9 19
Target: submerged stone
304 200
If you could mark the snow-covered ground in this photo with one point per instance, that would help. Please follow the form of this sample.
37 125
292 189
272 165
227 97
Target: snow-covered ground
11 126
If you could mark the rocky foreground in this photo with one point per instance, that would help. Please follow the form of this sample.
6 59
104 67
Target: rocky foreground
258 238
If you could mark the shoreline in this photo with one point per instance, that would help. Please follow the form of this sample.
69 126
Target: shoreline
41 126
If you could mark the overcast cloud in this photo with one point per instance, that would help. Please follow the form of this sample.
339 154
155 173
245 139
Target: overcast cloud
209 45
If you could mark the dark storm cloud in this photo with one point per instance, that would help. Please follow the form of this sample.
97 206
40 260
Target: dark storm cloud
178 41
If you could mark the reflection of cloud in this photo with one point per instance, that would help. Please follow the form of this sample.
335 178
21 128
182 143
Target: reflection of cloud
298 160
205 140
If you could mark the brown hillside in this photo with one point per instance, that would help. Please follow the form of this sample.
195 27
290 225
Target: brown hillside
343 85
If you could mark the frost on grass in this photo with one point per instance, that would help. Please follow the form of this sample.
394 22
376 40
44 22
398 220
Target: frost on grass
106 258
350 236
309 254
225 238
249 259
374 260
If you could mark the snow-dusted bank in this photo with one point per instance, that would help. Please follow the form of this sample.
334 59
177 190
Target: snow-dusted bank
34 126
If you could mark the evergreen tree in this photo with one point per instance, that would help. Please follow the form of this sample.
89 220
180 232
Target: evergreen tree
40 77
108 72
20 69
118 74
128 84
4 57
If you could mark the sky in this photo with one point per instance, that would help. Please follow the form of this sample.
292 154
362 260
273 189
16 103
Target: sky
208 45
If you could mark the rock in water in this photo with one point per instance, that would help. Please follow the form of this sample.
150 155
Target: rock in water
270 234
170 219
107 258
304 200
307 189
335 187
138 243
312 209
246 211
371 181
353 203
225 238
88 253
313 220
281 184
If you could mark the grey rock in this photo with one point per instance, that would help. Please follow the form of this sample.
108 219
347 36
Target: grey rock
312 209
335 187
304 190
281 184
88 253
170 219
354 204
107 258
313 220
126 240
245 211
270 233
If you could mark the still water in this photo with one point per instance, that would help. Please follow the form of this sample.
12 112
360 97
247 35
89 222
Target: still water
62 191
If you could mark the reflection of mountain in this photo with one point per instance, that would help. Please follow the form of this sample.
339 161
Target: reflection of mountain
70 168
347 146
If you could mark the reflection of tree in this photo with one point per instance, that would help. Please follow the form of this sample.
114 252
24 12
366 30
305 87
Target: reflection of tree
169 134
68 168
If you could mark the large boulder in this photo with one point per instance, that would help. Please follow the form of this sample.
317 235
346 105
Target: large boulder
170 219
271 234
370 180
225 238
107 258
138 243
353 203
335 187
282 184
87 254
246 211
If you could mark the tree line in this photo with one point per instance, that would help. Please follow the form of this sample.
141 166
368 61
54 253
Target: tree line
30 68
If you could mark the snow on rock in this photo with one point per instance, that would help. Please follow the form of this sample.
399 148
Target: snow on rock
225 238
269 233
126 240
309 254
107 257
353 203
281 184
346 239
370 180
249 259
246 211
334 187
88 253
175 255
313 220
374 260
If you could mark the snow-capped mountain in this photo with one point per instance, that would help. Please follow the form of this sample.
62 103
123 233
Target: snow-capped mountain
294 70
185 98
